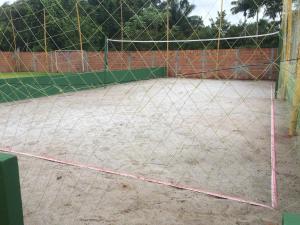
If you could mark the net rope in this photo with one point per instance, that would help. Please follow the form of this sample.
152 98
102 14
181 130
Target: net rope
198 40
111 85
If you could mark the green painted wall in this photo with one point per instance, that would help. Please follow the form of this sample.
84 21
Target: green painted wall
11 212
14 89
291 219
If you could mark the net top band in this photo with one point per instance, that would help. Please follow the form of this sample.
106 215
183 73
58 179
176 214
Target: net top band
195 40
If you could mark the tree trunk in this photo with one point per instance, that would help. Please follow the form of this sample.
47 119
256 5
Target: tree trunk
257 21
245 24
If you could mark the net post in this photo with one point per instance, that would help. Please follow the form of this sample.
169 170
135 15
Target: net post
129 61
13 31
33 61
177 63
45 42
168 26
56 62
80 36
296 100
288 30
69 61
106 54
203 63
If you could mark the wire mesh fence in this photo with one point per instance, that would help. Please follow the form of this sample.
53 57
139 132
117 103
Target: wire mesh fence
290 68
136 103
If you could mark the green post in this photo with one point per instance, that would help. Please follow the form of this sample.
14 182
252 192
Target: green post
106 55
11 212
291 219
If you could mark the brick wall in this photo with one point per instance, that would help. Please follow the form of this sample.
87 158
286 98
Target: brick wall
7 62
225 63
232 63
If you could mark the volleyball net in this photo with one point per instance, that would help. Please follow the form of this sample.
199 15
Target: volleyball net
199 58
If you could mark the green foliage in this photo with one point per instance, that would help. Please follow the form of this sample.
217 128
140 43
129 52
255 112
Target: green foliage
250 8
143 20
148 25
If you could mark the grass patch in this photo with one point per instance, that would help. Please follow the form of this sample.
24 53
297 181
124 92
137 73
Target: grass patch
27 74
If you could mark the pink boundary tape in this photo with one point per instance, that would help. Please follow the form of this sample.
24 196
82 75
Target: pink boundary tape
273 153
138 177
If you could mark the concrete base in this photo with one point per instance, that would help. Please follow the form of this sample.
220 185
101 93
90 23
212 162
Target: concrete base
291 219
11 212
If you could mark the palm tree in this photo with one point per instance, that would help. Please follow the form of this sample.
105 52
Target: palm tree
255 6
179 10
274 8
180 17
241 6
250 8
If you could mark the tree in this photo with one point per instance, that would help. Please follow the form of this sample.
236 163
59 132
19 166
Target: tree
215 26
180 19
100 19
240 6
149 24
273 9
225 25
250 8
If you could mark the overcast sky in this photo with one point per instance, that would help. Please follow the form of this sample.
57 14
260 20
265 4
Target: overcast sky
205 8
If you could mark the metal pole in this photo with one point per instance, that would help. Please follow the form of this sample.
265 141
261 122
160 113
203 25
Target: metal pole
106 55
219 37
168 31
296 100
45 41
80 36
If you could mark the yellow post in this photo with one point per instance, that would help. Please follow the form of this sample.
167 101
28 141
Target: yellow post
168 31
296 99
122 25
80 37
45 40
288 44
13 32
219 37
16 67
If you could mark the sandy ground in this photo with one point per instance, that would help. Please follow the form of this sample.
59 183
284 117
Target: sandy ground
207 134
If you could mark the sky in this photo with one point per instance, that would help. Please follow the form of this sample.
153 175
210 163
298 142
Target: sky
208 9
205 8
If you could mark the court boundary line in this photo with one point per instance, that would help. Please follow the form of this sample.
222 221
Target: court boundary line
139 177
274 193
